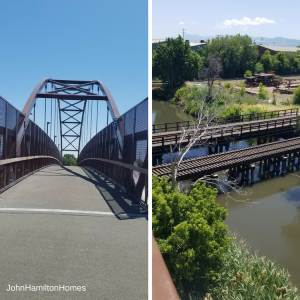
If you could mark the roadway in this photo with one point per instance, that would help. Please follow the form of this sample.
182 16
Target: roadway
70 226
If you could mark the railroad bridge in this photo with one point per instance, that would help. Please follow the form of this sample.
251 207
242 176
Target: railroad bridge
227 129
84 225
274 158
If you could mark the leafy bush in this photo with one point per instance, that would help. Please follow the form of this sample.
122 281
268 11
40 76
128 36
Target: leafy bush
189 231
248 73
227 85
296 96
287 102
243 91
263 93
181 94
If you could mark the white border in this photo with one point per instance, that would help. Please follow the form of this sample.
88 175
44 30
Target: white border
150 149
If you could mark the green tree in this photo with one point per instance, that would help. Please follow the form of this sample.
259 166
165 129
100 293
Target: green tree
267 61
259 68
283 65
189 231
174 62
237 53
296 96
69 160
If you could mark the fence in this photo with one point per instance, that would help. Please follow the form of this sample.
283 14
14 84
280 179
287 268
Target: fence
128 169
164 127
36 150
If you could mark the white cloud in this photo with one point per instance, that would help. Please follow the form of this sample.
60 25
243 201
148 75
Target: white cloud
245 22
181 23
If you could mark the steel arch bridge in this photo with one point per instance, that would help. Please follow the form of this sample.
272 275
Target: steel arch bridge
119 151
71 97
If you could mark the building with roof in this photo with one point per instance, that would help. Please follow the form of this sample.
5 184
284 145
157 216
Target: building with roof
275 49
194 46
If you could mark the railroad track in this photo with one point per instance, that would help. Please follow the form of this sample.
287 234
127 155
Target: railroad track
208 164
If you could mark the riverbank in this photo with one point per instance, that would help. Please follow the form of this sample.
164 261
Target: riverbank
236 102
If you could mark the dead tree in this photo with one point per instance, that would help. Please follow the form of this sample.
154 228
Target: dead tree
200 134
212 72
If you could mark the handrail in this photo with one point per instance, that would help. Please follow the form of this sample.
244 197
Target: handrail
163 127
118 163
18 159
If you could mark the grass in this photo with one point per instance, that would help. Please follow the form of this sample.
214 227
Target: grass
187 97
247 276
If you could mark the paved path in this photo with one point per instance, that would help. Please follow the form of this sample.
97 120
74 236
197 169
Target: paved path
70 226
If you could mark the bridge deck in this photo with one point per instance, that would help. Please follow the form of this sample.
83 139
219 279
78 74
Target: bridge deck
80 239
161 141
208 164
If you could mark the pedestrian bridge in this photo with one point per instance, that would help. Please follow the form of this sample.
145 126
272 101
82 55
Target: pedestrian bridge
74 226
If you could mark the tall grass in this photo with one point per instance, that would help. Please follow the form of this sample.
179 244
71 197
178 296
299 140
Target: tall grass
246 276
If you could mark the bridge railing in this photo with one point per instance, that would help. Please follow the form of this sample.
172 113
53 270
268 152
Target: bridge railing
128 169
36 150
173 126
244 130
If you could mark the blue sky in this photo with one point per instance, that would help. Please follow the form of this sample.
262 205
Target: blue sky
71 39
209 18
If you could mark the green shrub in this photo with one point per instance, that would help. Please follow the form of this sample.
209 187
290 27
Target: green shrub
274 102
227 85
248 73
189 231
263 93
243 91
232 90
296 96
181 94
232 111
287 102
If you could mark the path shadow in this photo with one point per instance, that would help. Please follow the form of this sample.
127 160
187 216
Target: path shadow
117 200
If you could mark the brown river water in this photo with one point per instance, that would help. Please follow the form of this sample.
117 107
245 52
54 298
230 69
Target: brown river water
270 220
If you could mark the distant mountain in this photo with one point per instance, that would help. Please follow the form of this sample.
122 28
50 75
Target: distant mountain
277 41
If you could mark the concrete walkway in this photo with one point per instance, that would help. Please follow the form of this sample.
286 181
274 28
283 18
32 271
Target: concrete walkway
72 227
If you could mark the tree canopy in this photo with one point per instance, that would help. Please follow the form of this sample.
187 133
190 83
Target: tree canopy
174 62
69 160
237 54
189 230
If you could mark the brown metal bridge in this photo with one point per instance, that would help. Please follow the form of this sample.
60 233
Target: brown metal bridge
119 151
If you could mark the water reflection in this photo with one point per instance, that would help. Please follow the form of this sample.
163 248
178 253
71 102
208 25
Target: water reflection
165 112
271 223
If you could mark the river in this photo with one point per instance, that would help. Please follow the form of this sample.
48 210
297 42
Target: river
270 220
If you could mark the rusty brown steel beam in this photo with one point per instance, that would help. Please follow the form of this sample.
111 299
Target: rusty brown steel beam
162 285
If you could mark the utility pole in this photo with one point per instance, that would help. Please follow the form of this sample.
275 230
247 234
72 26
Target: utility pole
183 34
